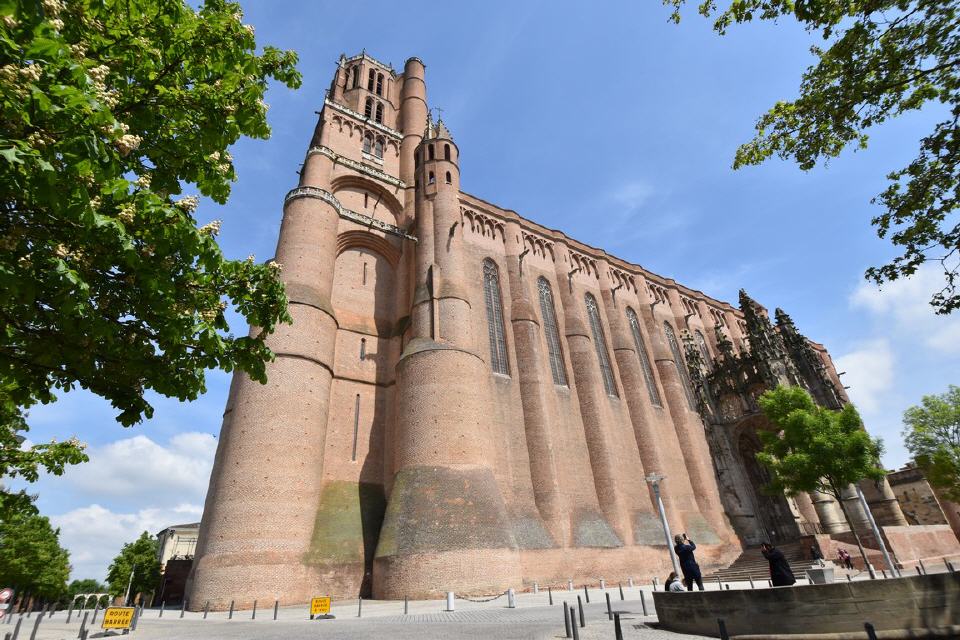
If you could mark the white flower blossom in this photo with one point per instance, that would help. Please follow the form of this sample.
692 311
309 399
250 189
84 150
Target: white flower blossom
10 22
57 24
31 72
95 203
188 204
128 143
52 7
248 28
127 212
211 228
214 157
61 251
143 182
275 266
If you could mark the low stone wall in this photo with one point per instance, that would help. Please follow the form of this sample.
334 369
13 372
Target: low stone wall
915 602
930 543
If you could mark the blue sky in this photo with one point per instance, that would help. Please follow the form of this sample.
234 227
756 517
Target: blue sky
614 126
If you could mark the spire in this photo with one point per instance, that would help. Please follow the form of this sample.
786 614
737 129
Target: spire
766 345
808 362
430 131
436 129
442 131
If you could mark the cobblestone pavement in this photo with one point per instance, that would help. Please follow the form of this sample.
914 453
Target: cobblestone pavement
534 618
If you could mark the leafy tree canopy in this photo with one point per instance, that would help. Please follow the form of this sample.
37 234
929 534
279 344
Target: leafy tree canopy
880 59
109 110
85 585
932 435
815 449
31 558
139 556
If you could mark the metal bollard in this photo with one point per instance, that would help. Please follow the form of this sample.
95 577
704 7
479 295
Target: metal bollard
871 632
511 599
630 582
70 612
620 586
183 606
360 606
569 585
948 565
770 583
643 603
609 608
849 579
583 621
276 606
576 632
16 629
719 584
603 584
163 603
136 618
253 616
727 586
405 608
883 572
617 631
752 586
36 625
206 609
96 609
229 617
536 588
919 572
550 594
53 606
450 601
566 620
586 594
922 566
723 629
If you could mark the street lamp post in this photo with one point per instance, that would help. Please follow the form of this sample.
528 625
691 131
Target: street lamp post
876 532
655 479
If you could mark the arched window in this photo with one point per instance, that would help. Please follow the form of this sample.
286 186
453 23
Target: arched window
378 148
379 84
449 178
430 152
681 365
644 358
550 328
371 77
430 178
379 117
498 342
446 152
356 77
600 342
368 108
704 352
367 142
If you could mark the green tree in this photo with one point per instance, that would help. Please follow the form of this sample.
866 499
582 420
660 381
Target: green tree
932 436
31 558
140 557
816 449
880 59
109 110
77 587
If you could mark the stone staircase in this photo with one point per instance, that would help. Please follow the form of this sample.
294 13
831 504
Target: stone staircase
752 564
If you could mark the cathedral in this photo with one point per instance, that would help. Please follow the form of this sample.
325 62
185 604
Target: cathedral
469 401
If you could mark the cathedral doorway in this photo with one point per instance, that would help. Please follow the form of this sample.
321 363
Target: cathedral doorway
773 511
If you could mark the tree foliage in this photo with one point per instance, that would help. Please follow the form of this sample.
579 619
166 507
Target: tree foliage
932 435
109 110
31 558
880 59
815 449
139 556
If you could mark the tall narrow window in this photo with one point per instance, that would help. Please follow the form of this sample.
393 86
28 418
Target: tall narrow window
371 77
446 152
363 345
704 352
430 152
554 349
368 108
356 77
498 342
378 148
379 117
681 365
600 342
356 427
367 143
644 358
449 178
379 84
430 178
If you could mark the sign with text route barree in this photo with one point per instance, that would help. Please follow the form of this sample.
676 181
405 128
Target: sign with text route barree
117 617
320 606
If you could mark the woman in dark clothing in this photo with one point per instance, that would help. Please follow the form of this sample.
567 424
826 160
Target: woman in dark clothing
780 573
688 564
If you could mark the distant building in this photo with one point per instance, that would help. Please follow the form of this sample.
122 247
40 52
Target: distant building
176 545
919 501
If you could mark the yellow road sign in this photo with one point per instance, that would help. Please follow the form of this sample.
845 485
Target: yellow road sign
319 605
117 617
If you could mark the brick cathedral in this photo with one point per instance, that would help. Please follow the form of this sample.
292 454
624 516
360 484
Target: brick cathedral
469 401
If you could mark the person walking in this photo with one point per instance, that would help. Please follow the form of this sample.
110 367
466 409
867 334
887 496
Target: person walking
815 554
780 573
684 548
845 560
673 583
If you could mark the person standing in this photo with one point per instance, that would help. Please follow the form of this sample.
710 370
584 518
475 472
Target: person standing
815 554
684 548
780 573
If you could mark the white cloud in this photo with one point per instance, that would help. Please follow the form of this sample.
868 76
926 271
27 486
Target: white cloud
95 534
138 468
869 373
904 305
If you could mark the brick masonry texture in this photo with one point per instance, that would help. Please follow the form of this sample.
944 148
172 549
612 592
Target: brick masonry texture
386 457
